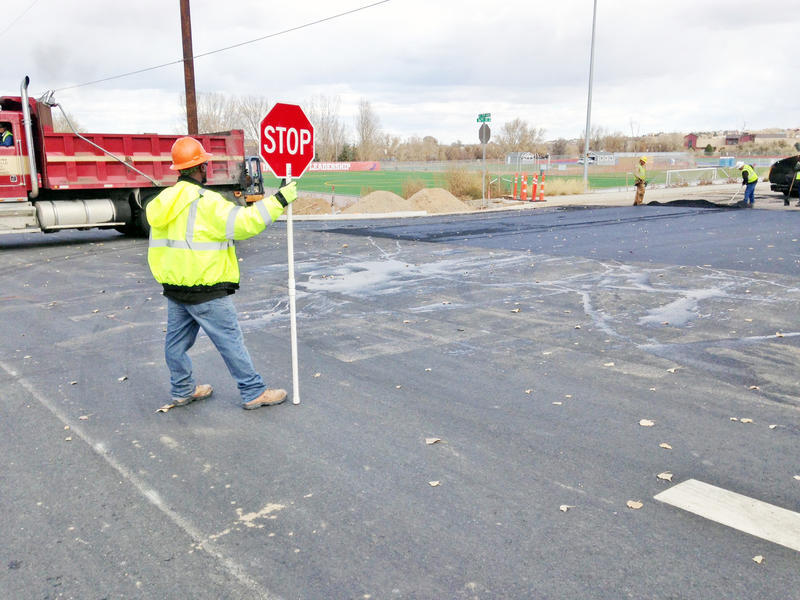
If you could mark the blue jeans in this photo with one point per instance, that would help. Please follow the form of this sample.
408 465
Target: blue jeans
218 319
749 192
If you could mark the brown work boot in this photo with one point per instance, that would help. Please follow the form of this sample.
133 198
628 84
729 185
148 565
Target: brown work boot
201 392
267 398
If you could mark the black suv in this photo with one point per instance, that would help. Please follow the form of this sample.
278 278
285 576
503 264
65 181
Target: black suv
781 175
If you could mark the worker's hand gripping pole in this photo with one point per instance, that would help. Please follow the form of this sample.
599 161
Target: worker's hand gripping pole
292 296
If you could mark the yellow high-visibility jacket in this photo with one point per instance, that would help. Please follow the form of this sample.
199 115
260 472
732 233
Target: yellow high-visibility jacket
640 173
749 174
192 231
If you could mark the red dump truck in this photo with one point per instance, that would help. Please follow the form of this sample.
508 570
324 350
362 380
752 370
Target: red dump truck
50 181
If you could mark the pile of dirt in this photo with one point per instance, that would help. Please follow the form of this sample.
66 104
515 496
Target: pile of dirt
380 202
438 200
311 206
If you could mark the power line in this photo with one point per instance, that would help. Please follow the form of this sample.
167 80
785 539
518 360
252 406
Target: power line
259 39
22 14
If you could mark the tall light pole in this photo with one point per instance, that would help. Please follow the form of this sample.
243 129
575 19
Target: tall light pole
589 107
188 68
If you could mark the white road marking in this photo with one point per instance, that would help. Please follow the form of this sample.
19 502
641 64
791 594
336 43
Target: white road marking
234 568
767 521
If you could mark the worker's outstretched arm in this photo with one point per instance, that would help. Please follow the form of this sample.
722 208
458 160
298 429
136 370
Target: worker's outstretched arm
241 223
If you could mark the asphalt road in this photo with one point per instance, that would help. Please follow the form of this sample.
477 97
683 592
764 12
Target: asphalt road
531 345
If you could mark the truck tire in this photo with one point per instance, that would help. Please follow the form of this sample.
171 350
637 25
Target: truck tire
140 217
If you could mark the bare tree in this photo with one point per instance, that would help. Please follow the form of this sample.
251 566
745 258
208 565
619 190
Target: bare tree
60 123
215 112
367 131
518 136
251 111
559 147
329 131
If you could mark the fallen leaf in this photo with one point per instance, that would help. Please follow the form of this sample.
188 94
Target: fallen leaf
123 378
754 387
398 387
565 507
797 477
652 389
746 420
73 383
609 364
772 426
66 427
672 370
27 356
317 374
749 320
567 395
165 408
734 419
577 326
546 352
666 476
68 439
758 559
434 483
83 418
778 334
646 423
515 310
665 446
634 504
406 321
430 441
558 403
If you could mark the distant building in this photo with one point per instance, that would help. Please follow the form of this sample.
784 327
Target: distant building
690 141
736 138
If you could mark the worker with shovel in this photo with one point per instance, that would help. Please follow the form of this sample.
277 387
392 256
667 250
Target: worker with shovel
191 253
641 180
749 180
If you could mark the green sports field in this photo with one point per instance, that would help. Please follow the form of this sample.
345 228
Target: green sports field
357 183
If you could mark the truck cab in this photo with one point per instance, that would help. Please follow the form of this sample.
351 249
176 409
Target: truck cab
13 165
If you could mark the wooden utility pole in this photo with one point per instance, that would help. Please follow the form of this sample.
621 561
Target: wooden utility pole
188 68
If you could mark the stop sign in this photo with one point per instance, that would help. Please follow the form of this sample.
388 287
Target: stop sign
287 140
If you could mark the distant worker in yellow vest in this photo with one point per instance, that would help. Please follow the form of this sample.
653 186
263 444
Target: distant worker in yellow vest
641 180
749 180
796 185
191 253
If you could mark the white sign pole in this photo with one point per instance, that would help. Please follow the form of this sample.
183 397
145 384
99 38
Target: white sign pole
292 295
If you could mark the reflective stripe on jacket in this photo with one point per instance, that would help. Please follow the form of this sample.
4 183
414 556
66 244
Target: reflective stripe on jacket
749 174
192 231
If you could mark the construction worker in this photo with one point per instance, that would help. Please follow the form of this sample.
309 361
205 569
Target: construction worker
6 139
796 184
749 179
191 253
641 180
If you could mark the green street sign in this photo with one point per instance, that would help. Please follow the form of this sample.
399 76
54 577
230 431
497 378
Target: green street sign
485 118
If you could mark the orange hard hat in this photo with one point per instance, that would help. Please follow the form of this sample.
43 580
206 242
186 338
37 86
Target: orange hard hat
187 152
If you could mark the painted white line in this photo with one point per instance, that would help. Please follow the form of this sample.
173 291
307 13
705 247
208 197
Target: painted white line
77 430
767 521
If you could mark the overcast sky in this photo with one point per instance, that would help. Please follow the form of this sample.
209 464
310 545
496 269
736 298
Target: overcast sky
428 67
